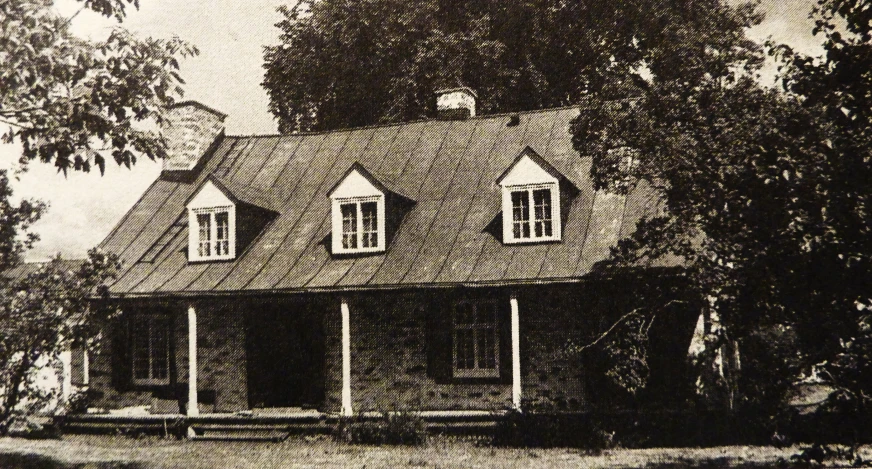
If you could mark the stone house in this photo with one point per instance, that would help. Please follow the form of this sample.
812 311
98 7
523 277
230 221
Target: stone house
441 265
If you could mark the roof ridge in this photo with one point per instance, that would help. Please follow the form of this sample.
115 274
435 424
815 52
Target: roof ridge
418 121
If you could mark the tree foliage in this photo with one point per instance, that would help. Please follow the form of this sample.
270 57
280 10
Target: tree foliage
350 63
766 194
75 103
15 223
43 313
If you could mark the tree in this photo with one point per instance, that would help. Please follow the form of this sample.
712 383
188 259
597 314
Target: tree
350 63
72 102
42 314
765 192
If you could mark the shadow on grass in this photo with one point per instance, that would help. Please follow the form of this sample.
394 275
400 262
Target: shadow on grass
713 463
37 461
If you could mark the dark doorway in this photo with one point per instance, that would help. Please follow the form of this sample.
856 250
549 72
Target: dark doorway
285 356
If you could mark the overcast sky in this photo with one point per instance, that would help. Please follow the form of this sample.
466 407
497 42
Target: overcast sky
226 75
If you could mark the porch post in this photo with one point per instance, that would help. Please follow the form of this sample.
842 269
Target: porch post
516 354
86 371
346 359
66 358
193 408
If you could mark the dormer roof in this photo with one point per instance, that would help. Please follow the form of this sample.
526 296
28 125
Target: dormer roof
360 182
530 168
216 191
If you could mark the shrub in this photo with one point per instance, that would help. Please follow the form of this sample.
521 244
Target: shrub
390 428
549 430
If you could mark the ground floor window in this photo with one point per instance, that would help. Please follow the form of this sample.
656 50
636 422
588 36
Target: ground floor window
476 339
151 349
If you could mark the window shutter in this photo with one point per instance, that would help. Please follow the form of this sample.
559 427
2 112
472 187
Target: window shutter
504 326
122 363
77 366
439 345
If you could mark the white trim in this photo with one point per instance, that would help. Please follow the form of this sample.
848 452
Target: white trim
508 219
66 358
346 359
193 409
476 372
194 233
86 368
516 354
337 233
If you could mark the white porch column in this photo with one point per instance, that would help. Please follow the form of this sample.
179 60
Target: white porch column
66 358
346 359
516 354
86 371
193 407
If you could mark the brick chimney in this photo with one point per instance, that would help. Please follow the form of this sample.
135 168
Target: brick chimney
190 129
455 103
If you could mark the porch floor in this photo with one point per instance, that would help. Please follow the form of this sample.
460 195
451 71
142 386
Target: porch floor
268 421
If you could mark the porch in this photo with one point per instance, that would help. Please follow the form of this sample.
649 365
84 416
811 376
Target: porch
266 425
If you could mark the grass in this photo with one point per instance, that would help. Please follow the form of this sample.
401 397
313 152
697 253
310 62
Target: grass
81 452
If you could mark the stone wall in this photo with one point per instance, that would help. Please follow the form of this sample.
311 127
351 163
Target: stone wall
220 361
401 350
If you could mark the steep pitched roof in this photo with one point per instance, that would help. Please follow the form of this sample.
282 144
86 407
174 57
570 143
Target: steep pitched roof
449 168
21 271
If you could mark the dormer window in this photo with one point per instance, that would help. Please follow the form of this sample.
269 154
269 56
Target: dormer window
364 212
214 212
214 232
360 225
531 191
535 224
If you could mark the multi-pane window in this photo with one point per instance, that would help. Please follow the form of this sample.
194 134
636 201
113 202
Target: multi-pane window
542 213
222 233
360 222
476 340
151 349
204 246
520 215
349 226
214 233
370 224
535 224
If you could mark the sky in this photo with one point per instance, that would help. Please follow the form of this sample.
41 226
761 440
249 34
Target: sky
226 75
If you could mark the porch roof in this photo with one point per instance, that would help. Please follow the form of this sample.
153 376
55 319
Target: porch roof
448 237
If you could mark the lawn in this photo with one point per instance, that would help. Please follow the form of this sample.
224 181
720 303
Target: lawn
80 452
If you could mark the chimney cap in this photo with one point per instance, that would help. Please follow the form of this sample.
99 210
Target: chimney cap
457 88
199 105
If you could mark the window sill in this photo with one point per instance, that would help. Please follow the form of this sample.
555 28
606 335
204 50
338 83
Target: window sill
465 374
553 239
212 259
151 382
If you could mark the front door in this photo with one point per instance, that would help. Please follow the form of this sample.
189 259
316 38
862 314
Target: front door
285 356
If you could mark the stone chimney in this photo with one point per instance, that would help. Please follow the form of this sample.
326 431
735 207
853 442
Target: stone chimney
455 103
190 129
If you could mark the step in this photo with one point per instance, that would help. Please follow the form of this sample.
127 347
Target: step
218 437
240 435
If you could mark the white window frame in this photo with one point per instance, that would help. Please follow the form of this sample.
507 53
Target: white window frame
476 371
194 233
508 213
337 231
137 334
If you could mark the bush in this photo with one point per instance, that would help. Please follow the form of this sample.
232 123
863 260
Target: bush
36 429
391 428
549 430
